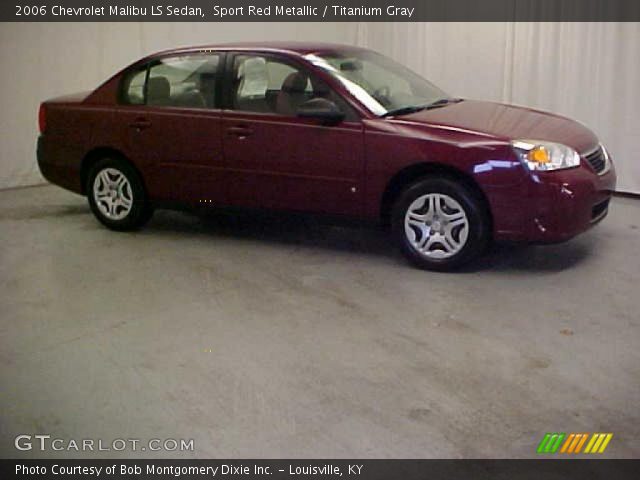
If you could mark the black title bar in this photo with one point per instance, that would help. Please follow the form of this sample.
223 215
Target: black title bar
320 11
544 468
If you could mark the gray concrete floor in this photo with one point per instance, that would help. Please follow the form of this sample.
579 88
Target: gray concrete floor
267 337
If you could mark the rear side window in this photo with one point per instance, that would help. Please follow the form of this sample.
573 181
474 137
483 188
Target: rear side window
187 81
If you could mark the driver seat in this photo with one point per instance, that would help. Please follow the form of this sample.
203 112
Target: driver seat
292 93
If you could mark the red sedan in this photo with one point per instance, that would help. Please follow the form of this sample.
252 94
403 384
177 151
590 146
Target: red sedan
324 129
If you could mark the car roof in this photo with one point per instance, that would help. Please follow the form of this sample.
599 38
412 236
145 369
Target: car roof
299 48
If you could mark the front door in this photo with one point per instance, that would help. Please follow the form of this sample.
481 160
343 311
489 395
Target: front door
277 160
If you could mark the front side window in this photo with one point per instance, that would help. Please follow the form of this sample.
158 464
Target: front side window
380 84
266 84
187 81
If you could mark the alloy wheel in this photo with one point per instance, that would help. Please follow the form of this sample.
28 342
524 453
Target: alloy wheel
436 226
112 193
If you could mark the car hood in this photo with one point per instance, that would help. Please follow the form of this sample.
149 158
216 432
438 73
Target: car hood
506 122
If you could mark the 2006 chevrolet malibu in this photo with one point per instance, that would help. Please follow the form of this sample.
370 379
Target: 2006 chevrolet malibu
325 129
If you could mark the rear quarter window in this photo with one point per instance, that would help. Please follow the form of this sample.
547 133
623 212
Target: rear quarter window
132 92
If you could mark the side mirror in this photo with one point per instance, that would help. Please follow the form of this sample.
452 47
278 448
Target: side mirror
321 109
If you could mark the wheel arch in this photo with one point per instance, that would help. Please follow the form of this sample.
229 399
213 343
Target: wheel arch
416 171
98 153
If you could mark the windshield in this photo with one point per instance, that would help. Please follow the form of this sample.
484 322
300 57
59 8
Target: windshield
381 84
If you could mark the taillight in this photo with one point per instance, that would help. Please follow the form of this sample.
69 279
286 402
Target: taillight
42 118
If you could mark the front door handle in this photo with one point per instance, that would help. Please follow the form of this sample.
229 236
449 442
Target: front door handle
240 131
140 124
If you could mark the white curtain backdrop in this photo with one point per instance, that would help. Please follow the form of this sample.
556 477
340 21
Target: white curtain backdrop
586 71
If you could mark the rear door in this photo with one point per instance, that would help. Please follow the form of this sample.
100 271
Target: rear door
277 160
172 126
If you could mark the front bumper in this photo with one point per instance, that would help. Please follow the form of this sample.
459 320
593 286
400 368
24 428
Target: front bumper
551 207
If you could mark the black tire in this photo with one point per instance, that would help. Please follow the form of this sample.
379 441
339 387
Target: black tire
478 231
140 211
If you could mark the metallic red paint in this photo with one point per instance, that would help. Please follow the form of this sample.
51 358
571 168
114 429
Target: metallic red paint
290 163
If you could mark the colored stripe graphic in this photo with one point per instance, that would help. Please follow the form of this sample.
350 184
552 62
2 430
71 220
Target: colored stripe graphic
555 446
543 443
550 443
581 442
573 443
567 443
605 443
598 443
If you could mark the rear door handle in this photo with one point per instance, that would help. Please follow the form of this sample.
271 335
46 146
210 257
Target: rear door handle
140 124
240 131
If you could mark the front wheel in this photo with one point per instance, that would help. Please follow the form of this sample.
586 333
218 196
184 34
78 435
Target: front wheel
440 223
117 196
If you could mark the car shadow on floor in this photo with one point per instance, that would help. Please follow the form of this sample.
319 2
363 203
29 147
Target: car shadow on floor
541 258
277 228
311 232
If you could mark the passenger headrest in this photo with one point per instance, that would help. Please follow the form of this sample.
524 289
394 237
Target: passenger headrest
255 80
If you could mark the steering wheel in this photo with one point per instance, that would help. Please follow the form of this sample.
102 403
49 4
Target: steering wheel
382 94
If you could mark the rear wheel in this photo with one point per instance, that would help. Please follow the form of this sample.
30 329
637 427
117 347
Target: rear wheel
117 196
440 223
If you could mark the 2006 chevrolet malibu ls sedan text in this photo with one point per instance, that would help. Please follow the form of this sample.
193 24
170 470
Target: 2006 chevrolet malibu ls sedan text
325 129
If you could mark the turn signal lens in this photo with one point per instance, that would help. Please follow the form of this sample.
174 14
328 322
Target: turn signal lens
539 155
543 156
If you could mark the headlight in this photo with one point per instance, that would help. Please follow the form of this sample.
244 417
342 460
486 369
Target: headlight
542 156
